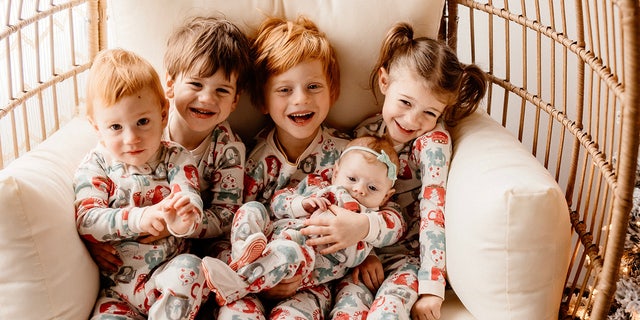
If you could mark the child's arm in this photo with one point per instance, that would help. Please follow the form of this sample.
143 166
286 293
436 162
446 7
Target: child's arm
433 150
298 202
346 228
182 210
223 171
95 220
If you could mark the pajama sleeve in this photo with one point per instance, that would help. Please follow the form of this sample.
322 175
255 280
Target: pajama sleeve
287 202
386 226
224 172
433 153
95 220
183 177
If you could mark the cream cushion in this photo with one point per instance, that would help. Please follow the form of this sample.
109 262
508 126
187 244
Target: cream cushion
46 271
507 226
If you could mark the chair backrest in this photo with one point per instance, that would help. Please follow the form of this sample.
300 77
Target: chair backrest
355 28
565 81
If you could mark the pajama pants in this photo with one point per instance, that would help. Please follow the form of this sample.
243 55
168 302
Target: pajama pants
394 299
174 290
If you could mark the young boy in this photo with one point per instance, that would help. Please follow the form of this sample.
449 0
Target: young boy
133 184
362 181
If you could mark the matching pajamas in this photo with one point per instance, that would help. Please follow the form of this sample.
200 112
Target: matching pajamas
156 280
414 265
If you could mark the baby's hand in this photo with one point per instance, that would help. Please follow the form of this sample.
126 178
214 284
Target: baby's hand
311 204
371 272
179 213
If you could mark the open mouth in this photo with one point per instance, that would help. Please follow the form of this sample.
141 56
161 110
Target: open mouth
202 112
301 117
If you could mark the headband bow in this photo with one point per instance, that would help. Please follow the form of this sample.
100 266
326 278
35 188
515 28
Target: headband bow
382 157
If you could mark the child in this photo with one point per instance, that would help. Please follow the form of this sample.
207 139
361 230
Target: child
362 181
425 87
133 183
208 65
297 81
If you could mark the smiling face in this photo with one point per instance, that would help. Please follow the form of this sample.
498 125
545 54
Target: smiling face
131 128
364 177
298 100
410 107
202 102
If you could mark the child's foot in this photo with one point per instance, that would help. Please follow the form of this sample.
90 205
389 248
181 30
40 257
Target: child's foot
224 283
248 251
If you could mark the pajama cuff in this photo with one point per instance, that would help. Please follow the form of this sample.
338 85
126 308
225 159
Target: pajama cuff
134 217
431 287
374 230
297 211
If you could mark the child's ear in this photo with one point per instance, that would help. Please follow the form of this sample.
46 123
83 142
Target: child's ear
389 194
234 104
165 111
170 83
383 80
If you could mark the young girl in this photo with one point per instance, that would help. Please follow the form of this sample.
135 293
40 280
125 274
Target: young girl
425 87
297 80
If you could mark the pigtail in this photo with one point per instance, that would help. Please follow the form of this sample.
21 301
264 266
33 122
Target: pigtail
396 39
473 85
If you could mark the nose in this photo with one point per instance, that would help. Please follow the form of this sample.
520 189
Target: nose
359 188
300 97
207 96
131 136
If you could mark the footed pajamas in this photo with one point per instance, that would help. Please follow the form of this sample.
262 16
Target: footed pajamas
156 280
414 265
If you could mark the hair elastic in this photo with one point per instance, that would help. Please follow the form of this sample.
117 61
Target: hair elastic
382 157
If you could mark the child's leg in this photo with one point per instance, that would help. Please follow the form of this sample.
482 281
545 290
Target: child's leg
398 292
352 302
311 303
109 306
177 289
250 225
247 308
282 259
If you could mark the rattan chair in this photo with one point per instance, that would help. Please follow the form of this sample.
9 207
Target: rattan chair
564 80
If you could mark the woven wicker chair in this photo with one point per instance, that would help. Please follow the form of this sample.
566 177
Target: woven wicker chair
564 79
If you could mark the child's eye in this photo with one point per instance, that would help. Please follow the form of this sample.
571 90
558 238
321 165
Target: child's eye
195 84
431 114
143 121
373 188
314 86
223 91
115 127
283 90
406 103
352 179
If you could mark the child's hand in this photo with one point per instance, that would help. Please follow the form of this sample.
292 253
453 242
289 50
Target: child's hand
371 272
179 213
311 204
285 289
104 255
152 220
344 229
427 307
